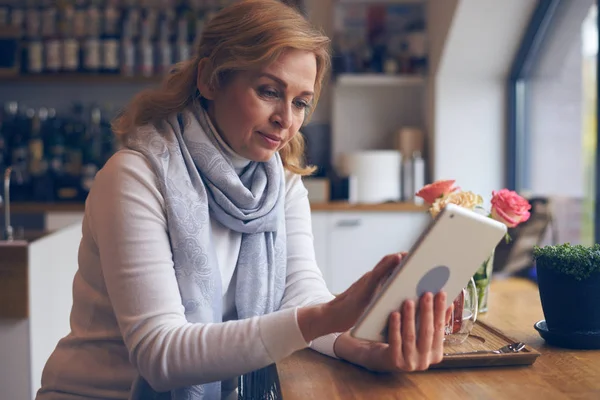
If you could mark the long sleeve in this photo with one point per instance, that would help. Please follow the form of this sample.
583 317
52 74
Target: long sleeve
305 284
125 212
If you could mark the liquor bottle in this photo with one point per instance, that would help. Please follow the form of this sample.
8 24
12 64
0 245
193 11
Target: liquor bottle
5 136
4 15
71 60
80 19
418 174
55 151
110 39
132 19
128 52
92 54
51 38
182 41
19 151
17 21
16 17
146 51
41 185
164 49
110 144
74 131
92 153
3 145
201 15
34 44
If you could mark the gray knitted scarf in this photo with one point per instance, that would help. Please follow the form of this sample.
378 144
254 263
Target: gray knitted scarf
199 182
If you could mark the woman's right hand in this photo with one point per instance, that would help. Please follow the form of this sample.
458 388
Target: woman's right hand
341 313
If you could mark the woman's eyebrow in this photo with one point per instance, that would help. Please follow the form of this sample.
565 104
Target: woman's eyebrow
283 83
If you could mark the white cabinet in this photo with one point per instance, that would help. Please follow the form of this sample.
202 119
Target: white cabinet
320 227
54 221
349 244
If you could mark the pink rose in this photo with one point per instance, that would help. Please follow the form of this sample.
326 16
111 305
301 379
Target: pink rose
430 193
510 208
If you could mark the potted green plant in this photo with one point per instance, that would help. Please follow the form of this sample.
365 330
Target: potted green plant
569 286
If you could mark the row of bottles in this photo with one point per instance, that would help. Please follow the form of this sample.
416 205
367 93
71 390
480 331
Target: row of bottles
380 38
129 37
54 156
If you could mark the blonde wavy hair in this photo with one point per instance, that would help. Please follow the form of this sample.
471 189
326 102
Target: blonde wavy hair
243 36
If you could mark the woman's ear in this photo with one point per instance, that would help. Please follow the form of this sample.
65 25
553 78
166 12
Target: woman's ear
203 80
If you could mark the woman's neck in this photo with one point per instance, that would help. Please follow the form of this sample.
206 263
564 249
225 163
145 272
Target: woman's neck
238 162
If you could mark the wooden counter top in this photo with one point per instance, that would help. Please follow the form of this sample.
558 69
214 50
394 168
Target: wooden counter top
389 207
514 308
37 208
40 208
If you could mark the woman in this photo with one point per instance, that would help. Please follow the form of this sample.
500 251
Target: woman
196 262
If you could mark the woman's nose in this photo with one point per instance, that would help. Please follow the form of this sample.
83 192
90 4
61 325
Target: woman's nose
283 116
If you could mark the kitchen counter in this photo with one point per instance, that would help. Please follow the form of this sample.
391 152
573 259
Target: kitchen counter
36 281
15 256
40 208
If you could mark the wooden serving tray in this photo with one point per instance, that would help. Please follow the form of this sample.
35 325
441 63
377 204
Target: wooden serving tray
485 337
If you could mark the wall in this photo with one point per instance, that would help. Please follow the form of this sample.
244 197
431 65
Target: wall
469 93
440 14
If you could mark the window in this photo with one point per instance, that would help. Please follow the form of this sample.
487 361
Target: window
553 132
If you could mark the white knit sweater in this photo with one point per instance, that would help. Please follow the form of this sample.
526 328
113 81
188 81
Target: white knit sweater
127 313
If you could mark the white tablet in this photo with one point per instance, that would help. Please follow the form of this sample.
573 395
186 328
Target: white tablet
445 257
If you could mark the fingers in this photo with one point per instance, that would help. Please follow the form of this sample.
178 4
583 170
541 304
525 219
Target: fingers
383 270
426 331
395 339
439 322
386 266
409 346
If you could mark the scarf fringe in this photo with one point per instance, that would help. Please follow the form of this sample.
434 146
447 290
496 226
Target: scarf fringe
262 384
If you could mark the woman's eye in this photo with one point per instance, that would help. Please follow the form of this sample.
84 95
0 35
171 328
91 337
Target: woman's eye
301 104
269 93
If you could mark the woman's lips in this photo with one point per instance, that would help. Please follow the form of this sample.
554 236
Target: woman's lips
271 140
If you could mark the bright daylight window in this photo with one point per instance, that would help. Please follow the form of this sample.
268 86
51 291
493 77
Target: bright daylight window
556 146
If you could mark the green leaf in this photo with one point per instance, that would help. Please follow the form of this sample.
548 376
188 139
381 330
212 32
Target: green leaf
577 261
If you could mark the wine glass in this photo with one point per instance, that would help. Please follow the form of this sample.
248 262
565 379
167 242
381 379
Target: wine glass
463 316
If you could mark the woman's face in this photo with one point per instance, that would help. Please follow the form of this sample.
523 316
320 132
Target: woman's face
257 112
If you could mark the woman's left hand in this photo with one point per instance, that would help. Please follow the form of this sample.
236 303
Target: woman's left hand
404 350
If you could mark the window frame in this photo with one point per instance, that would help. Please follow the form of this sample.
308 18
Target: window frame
518 140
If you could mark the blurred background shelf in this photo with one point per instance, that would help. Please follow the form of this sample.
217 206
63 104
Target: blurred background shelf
80 78
379 80
380 1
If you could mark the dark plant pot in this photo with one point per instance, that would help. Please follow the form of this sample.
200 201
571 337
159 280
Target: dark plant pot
569 305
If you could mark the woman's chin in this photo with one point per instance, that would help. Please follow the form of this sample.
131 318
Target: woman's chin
261 155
